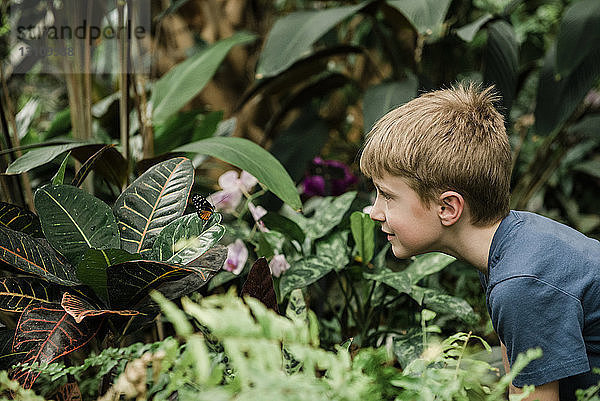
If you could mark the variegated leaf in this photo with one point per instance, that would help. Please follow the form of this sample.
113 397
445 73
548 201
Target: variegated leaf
46 332
79 308
129 282
34 256
182 241
74 221
16 293
19 219
151 202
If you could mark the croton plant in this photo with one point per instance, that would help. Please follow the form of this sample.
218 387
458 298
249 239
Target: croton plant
80 269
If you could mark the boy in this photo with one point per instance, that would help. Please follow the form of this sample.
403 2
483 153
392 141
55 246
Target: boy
441 165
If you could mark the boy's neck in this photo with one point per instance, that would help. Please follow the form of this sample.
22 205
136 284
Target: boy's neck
471 243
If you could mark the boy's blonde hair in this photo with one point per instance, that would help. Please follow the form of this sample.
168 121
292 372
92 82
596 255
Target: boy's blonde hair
451 139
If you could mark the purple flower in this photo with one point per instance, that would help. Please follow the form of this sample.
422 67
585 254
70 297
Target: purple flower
327 177
237 255
278 265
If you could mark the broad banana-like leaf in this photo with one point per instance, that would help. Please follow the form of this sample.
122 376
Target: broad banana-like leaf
129 282
425 15
80 308
16 293
34 256
46 332
151 202
19 219
74 221
182 241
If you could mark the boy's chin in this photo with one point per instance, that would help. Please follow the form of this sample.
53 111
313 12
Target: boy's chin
402 253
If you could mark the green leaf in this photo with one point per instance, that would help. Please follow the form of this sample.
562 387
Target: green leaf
502 60
184 81
381 98
304 272
558 97
59 177
408 347
20 219
254 159
446 304
292 37
16 293
468 32
335 247
328 214
277 222
38 157
34 256
405 280
91 270
183 240
591 167
129 282
364 236
74 221
579 25
151 202
426 16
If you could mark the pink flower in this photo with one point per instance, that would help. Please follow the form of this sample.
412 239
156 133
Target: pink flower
237 254
233 185
278 265
257 213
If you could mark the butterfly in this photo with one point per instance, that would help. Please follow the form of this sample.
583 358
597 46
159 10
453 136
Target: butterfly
203 206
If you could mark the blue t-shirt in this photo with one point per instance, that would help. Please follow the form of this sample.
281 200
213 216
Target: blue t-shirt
543 290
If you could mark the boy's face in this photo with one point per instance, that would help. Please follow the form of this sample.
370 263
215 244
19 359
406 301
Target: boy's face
412 227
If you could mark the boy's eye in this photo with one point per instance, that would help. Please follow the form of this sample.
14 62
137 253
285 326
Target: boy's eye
384 195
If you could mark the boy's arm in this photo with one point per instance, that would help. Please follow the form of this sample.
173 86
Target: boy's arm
545 392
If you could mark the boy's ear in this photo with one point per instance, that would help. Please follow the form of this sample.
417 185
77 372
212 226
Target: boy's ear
450 208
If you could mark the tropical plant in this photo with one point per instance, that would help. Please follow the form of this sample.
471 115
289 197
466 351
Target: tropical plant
90 274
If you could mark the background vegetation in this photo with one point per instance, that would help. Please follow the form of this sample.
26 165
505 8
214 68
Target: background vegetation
304 80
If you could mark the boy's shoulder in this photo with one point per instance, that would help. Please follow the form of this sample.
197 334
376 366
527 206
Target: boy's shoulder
528 244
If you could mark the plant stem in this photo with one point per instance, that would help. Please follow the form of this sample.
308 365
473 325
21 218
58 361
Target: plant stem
461 354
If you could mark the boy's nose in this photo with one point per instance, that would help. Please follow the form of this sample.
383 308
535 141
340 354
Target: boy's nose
376 212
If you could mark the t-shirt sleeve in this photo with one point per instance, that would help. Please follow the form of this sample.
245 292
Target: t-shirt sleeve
529 313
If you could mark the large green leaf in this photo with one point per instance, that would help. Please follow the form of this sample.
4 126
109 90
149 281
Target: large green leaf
254 159
129 282
16 293
38 157
335 247
79 308
304 272
328 213
558 97
111 165
380 99
151 202
91 269
579 35
404 281
34 256
292 37
443 303
502 60
467 32
182 241
425 15
363 227
184 81
74 221
19 219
